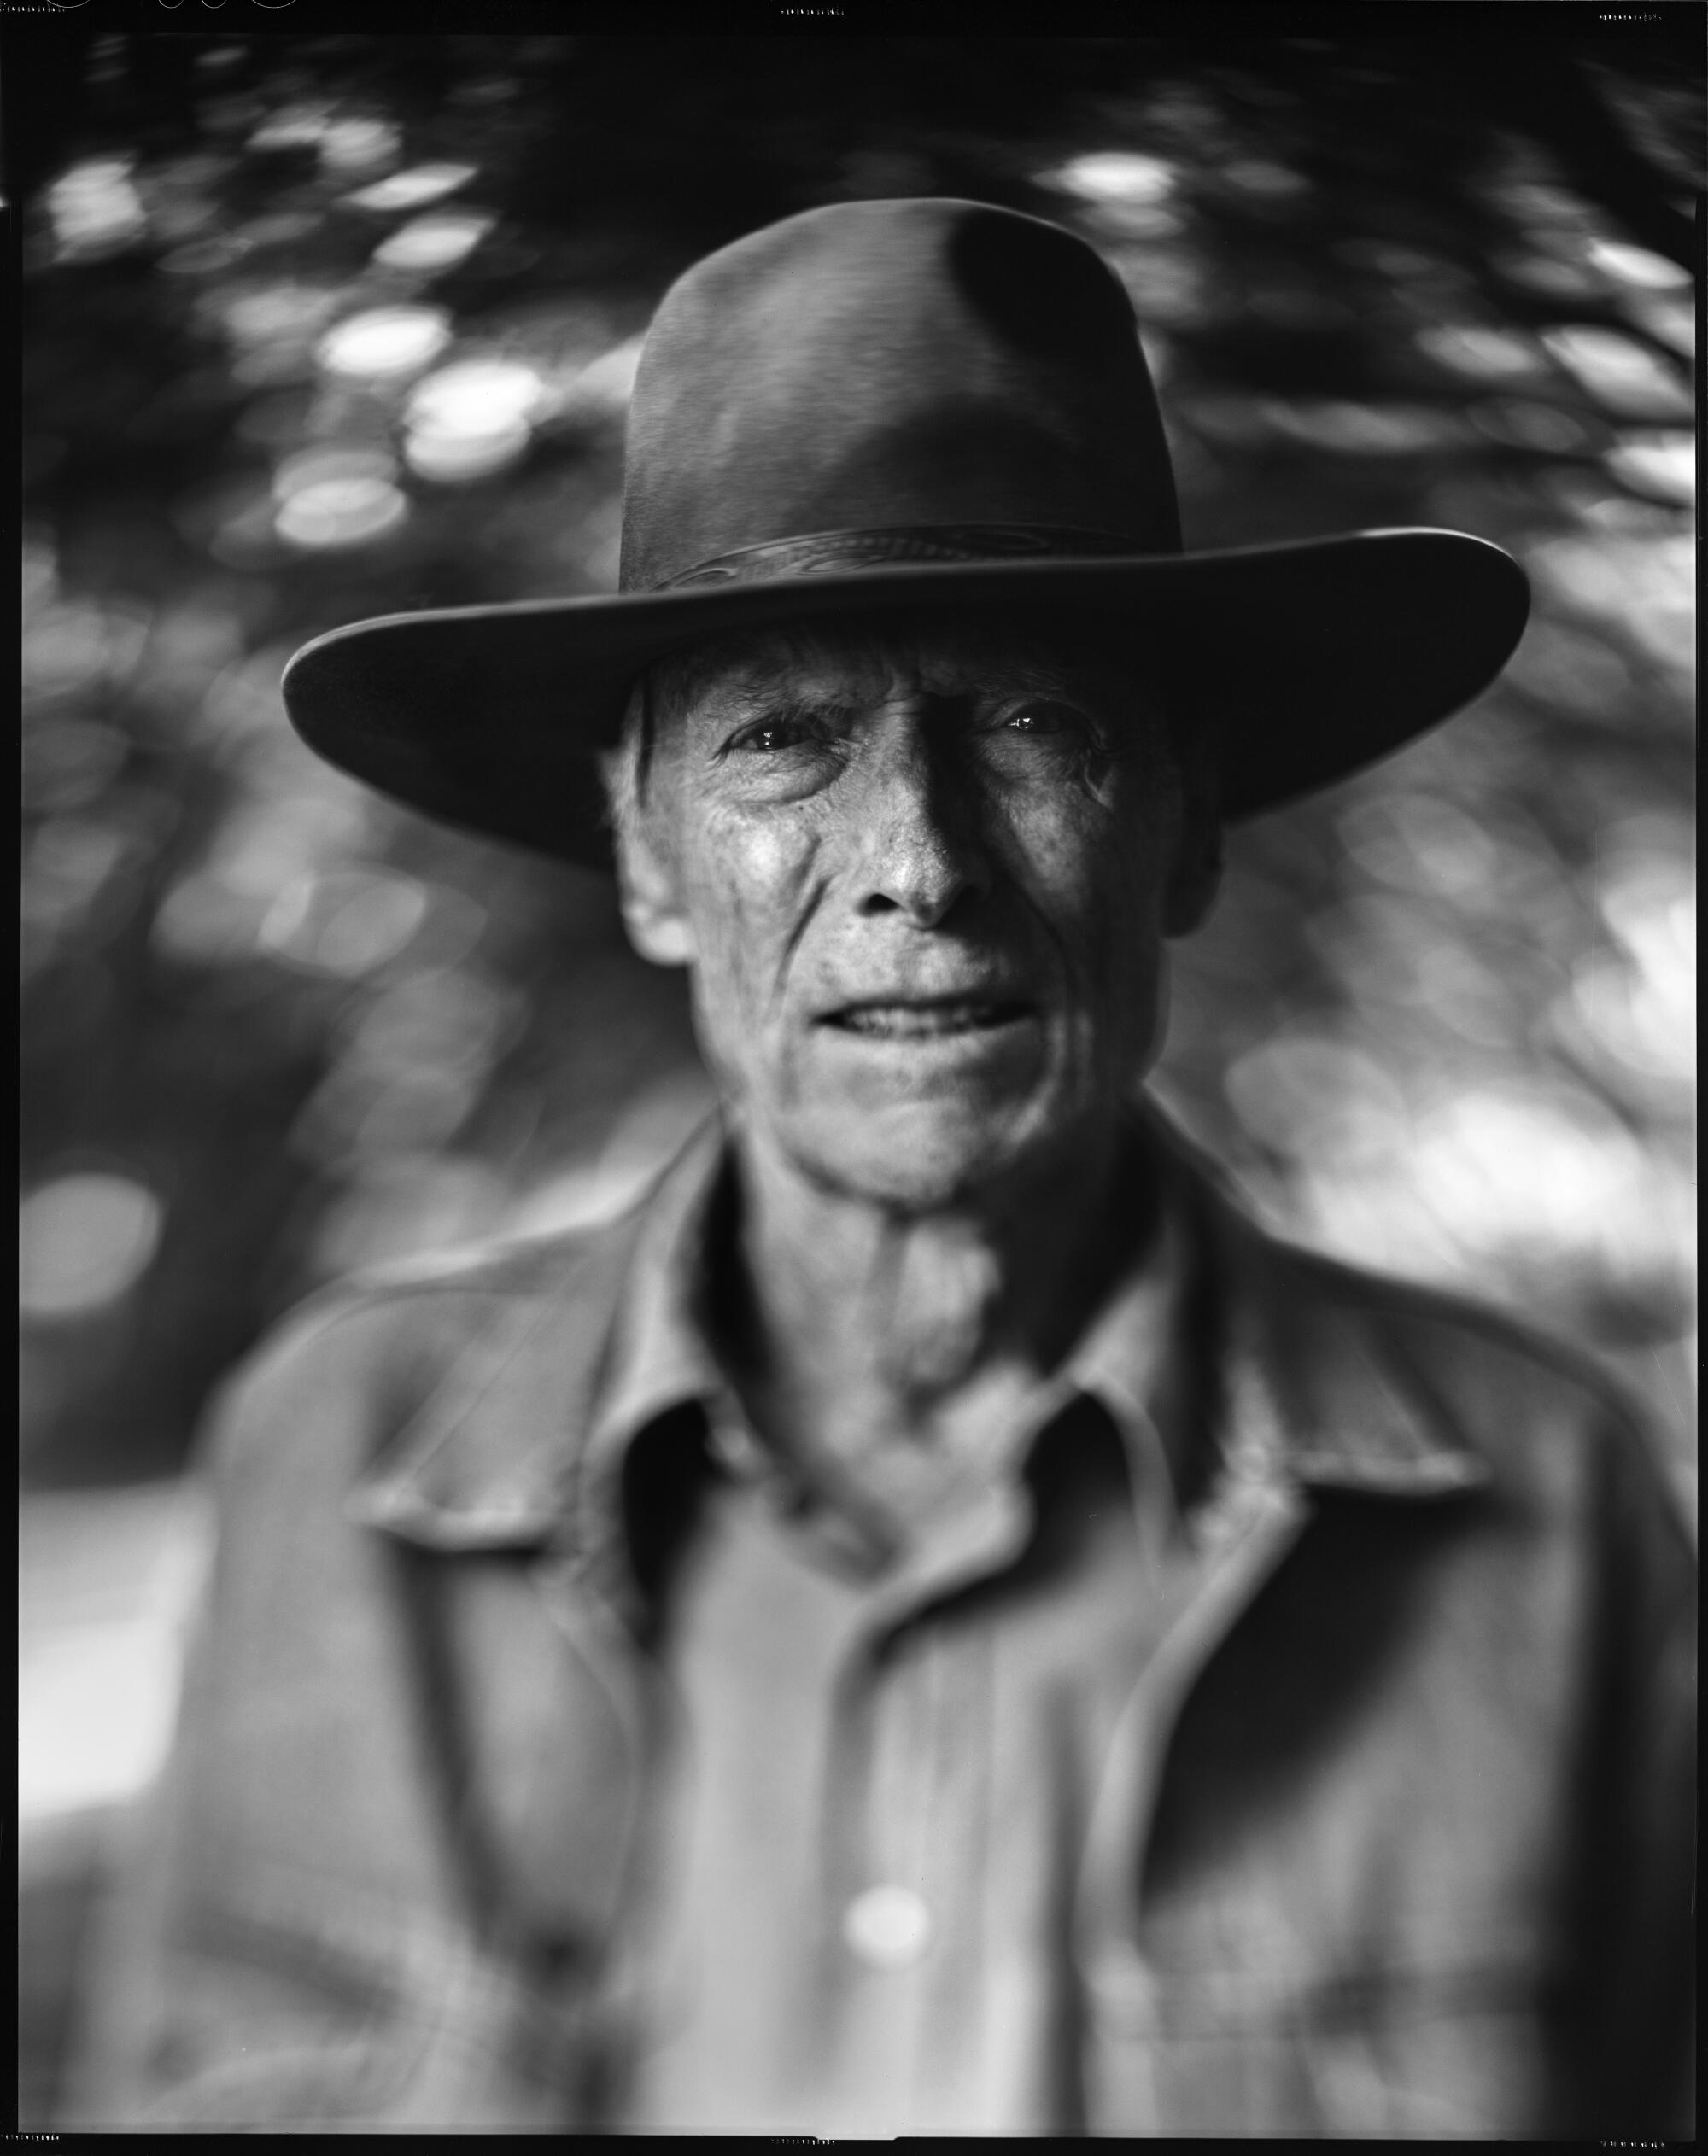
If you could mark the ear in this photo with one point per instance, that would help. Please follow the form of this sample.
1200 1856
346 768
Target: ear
652 910
1196 876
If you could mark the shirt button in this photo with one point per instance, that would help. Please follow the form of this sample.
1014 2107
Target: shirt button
888 1927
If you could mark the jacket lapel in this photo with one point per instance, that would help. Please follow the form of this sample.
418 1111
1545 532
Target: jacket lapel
1316 1392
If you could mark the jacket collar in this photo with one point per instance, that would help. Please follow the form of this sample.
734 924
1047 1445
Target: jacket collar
496 1455
572 1346
1317 1393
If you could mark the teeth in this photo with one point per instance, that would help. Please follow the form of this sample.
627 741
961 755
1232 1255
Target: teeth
907 1021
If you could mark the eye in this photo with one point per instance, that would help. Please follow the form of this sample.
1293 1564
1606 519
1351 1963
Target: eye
766 737
1046 718
783 756
1042 715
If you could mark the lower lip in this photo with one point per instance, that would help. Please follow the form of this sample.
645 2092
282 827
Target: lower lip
942 1037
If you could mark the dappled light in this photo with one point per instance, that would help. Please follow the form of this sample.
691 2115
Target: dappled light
471 419
411 189
95 207
340 511
382 343
433 243
82 1240
357 335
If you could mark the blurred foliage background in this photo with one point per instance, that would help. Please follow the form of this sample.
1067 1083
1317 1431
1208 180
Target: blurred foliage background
317 328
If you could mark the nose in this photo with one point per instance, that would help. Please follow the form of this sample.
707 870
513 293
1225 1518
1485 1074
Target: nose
919 855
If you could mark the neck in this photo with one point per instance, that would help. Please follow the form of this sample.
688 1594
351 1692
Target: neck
864 1325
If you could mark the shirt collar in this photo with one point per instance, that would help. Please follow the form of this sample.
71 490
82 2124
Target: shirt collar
662 1356
523 1438
1132 1357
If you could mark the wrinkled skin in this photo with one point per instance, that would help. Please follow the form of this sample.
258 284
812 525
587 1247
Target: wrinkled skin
843 818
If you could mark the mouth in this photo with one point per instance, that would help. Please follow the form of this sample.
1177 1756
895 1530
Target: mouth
939 1020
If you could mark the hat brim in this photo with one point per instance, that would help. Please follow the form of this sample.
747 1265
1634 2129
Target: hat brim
1319 658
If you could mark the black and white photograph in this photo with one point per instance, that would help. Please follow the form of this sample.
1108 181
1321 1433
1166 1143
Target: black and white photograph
858 1144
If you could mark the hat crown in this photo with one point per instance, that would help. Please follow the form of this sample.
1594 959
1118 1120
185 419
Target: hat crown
878 365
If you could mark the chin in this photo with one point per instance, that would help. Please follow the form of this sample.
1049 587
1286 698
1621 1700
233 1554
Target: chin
917 1157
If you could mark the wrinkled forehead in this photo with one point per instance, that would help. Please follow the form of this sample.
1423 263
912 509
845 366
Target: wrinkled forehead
942 654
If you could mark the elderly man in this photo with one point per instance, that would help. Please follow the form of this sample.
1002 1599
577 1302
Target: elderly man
933 1622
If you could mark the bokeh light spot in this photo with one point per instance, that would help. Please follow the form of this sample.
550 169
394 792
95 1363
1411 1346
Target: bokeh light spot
452 1019
205 920
1339 425
413 188
385 342
1622 376
71 646
347 922
1637 1001
83 1240
1644 1018
1118 176
1661 463
1527 1163
433 243
1645 583
274 328
341 512
471 419
1308 1092
446 458
356 145
1636 265
1418 841
1577 673
475 396
298 126
309 467
94 208
1487 354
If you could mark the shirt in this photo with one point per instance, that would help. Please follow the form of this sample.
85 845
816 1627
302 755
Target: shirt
1393 1834
878 1768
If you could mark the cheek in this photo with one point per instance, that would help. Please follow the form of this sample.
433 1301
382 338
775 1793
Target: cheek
746 886
1122 943
1094 869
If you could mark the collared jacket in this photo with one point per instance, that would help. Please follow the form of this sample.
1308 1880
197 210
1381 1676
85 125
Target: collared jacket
1395 1836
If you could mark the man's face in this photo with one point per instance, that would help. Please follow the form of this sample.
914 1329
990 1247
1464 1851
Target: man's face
922 879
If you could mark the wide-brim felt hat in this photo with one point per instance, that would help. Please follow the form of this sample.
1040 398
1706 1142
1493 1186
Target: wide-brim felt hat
882 407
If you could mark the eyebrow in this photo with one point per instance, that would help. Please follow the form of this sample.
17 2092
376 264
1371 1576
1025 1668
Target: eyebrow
753 692
753 698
